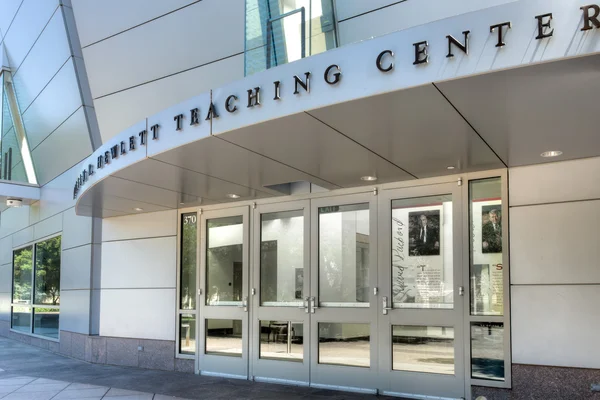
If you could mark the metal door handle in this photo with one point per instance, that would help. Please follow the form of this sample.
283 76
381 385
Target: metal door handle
461 290
244 304
385 308
313 305
305 305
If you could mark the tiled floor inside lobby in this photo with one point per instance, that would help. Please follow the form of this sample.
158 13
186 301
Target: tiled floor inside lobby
23 365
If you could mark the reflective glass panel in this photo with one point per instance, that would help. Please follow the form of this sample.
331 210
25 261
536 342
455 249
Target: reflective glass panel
224 337
281 340
487 350
282 258
344 247
487 272
345 344
47 272
423 349
45 322
21 319
282 31
422 252
187 334
22 275
189 245
224 261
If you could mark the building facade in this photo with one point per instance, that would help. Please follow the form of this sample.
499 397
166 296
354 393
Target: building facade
392 197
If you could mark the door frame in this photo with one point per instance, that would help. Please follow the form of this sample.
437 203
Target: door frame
418 383
222 365
281 371
329 376
462 178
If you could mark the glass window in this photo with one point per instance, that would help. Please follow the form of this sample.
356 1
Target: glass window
45 321
345 344
224 337
344 255
281 340
47 272
282 31
22 275
487 273
36 275
189 246
21 319
422 252
423 349
187 334
487 350
224 261
282 258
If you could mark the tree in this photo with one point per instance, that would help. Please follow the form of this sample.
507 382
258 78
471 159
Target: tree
47 271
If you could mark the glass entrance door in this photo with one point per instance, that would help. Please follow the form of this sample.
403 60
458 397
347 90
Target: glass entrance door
343 300
421 303
223 320
280 276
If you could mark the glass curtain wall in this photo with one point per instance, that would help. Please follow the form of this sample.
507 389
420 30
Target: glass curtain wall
15 157
283 31
486 280
36 288
187 283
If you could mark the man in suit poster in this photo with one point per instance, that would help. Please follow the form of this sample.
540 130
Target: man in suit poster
424 237
491 230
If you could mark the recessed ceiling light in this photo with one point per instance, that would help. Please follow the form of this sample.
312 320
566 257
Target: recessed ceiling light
233 196
450 167
553 153
138 209
368 178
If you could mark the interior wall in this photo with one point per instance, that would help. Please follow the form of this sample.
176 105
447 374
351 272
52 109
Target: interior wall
138 278
555 279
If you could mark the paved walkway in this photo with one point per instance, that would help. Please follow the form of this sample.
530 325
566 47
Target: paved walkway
30 373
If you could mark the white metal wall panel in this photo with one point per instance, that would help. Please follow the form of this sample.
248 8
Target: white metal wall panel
75 311
555 243
97 20
75 268
138 313
26 27
4 306
554 182
77 230
53 106
121 110
44 60
9 10
57 195
6 278
22 237
156 224
6 250
70 140
48 227
399 16
13 220
144 263
556 325
202 33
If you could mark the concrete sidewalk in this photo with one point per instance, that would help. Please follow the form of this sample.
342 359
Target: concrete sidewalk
22 365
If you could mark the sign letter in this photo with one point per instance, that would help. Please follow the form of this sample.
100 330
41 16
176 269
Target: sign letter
304 85
463 47
336 76
228 107
421 56
500 32
276 83
542 25
588 19
194 116
380 59
253 97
